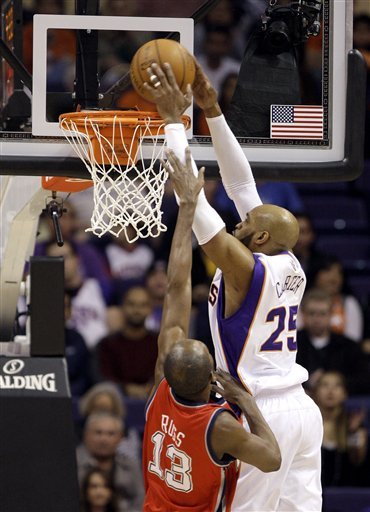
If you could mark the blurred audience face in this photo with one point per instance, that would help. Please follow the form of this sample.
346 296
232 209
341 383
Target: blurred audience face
47 7
71 262
98 491
102 398
306 236
221 14
120 7
102 436
124 240
330 279
217 45
316 317
103 402
361 33
156 283
330 390
136 307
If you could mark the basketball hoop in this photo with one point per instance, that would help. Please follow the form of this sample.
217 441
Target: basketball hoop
128 190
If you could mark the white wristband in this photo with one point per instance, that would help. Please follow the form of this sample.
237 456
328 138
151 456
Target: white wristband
207 222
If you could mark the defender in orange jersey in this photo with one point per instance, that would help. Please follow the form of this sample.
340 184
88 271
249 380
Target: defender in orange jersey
190 445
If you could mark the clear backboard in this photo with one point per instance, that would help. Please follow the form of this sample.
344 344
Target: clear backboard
288 82
281 69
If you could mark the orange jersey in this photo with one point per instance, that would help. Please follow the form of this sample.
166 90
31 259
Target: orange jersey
181 472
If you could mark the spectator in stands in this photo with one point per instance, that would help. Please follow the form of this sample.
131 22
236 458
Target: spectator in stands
281 193
365 345
345 439
106 397
347 315
361 41
156 285
103 397
215 58
229 14
88 307
309 257
226 93
97 493
102 435
320 349
77 355
61 44
91 262
128 357
128 261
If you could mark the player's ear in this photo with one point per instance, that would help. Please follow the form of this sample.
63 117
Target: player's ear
261 237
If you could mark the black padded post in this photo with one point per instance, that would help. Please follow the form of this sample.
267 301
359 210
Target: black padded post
47 306
37 445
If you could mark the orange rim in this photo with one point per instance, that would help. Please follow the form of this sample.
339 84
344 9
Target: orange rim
114 134
129 118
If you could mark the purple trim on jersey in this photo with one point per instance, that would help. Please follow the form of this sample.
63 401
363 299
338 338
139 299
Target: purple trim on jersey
234 329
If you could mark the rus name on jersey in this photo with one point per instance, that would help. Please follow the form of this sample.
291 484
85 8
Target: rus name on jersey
169 428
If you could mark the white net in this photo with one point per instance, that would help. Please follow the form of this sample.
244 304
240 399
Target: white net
125 194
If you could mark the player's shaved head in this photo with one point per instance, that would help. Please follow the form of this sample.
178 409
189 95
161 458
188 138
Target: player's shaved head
282 226
188 367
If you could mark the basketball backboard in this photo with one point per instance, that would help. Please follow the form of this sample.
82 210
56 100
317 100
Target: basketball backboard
272 86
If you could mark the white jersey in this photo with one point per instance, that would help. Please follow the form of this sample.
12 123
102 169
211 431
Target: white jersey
89 313
129 265
257 344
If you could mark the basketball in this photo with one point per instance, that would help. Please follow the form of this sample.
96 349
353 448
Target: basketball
161 51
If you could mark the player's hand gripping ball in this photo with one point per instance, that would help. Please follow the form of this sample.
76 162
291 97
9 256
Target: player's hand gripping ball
161 51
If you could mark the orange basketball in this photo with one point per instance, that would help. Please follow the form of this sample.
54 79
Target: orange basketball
161 51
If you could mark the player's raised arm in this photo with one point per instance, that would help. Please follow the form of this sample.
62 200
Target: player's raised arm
225 251
177 303
235 170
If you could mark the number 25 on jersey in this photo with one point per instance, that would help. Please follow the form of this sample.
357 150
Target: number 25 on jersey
286 319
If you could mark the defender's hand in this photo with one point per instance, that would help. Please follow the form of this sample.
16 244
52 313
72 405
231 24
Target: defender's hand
171 102
231 389
187 186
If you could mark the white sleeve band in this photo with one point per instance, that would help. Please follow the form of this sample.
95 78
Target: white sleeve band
207 222
236 173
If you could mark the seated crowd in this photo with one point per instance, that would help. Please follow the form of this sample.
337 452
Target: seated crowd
115 291
112 323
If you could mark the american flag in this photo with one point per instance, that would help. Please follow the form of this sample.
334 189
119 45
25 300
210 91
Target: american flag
297 122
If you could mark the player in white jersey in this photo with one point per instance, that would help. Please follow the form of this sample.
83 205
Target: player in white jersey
254 301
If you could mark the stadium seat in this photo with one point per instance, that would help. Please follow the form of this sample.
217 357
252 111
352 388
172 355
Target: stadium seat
322 188
339 213
352 250
362 184
357 403
135 413
346 499
360 287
